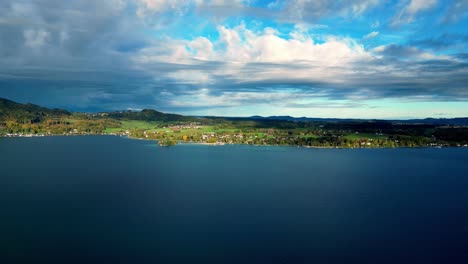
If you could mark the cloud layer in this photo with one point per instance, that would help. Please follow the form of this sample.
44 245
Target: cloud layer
194 57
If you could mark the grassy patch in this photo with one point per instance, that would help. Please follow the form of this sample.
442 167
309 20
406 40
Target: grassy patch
133 124
308 136
112 130
136 124
225 130
365 136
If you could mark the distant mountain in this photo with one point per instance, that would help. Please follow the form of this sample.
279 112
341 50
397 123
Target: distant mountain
33 113
27 112
150 115
460 121
305 119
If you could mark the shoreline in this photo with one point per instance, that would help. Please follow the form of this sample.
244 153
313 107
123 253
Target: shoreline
313 147
220 144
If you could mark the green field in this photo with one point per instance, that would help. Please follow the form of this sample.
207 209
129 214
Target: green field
133 124
358 136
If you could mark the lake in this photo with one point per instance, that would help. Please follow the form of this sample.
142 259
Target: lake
104 199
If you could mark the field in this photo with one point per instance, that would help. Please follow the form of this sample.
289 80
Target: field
357 136
133 124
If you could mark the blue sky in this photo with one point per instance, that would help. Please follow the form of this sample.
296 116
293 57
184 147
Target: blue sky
348 58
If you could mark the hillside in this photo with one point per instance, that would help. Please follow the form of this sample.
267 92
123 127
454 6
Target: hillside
30 113
27 113
150 115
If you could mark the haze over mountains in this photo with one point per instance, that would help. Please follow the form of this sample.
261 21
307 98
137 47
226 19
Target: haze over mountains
460 121
29 111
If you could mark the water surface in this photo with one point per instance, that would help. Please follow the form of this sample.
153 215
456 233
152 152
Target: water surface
115 200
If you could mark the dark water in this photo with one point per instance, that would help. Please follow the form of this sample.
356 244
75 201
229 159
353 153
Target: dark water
115 200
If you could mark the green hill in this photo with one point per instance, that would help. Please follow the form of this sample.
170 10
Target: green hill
150 115
30 113
27 113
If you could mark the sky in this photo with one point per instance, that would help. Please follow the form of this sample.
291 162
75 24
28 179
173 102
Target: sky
390 59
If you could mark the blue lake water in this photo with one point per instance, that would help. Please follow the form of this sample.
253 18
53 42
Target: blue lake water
105 199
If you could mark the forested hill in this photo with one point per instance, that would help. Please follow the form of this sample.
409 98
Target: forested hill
28 113
149 115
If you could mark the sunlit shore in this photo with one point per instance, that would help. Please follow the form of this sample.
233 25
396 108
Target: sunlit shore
181 142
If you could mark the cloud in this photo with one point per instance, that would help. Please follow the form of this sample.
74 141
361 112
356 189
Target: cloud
371 35
311 11
35 38
411 9
403 52
458 9
398 51
120 54
443 41
243 63
203 98
416 6
297 11
243 55
153 7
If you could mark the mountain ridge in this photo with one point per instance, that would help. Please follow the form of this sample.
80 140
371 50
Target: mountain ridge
36 113
428 120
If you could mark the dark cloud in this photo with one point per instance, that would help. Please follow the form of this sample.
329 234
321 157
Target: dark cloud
441 42
399 51
327 105
461 56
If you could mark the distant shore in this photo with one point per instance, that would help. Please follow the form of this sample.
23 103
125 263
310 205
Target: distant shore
218 143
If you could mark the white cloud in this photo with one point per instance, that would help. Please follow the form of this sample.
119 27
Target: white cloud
373 34
246 46
158 6
306 10
416 6
244 63
35 38
238 49
411 9
202 48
